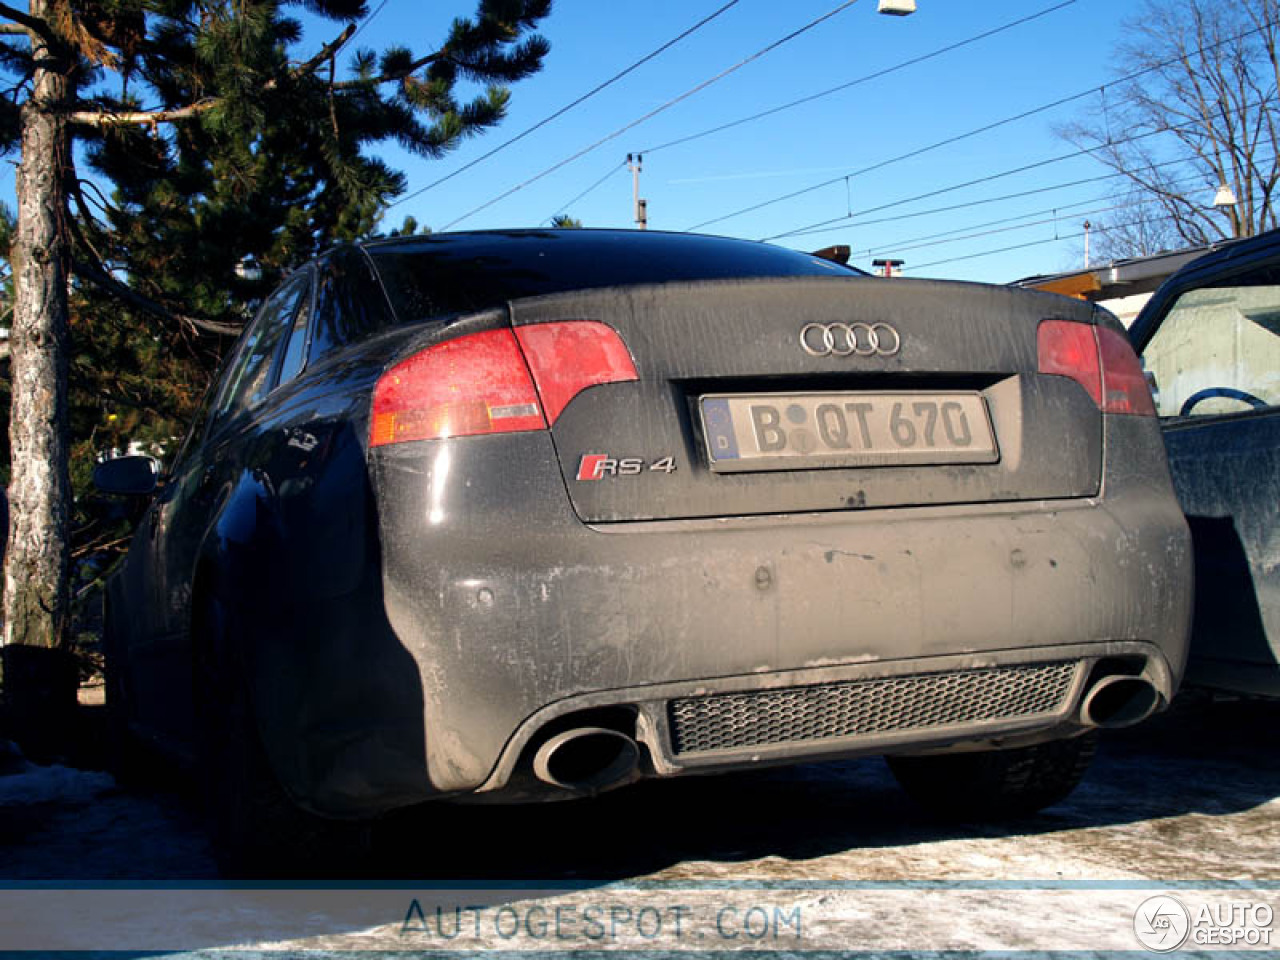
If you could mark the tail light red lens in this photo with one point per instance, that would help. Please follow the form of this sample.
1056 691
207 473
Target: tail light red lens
475 384
491 383
1069 350
568 357
1100 360
1124 386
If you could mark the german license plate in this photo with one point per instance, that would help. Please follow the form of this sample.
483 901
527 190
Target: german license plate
813 430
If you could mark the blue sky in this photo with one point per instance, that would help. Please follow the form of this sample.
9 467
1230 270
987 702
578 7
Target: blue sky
1061 53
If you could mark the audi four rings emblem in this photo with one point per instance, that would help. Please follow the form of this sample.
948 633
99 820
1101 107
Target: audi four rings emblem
850 339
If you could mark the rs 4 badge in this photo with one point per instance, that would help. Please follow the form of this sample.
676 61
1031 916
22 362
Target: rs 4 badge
598 466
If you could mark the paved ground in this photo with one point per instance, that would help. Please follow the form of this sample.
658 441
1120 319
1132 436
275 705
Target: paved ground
826 856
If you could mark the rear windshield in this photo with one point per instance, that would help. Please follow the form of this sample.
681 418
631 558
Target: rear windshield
433 277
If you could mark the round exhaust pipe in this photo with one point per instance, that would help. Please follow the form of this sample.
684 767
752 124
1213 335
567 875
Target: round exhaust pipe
1119 701
586 759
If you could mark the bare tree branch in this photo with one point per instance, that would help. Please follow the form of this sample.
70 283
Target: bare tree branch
141 118
327 53
1202 96
92 268
104 280
32 24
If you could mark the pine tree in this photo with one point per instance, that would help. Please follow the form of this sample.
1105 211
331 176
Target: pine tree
219 145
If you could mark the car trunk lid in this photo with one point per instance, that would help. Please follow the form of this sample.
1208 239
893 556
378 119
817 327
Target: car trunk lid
901 393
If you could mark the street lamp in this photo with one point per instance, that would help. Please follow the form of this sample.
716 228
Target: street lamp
897 8
1225 197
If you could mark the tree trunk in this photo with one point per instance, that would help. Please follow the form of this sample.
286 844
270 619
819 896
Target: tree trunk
36 596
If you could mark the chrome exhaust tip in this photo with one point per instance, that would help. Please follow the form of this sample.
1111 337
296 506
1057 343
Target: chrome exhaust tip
1120 701
587 759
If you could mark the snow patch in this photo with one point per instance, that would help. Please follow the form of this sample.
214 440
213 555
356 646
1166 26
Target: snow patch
29 783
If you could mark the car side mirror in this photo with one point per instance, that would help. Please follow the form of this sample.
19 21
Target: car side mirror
127 476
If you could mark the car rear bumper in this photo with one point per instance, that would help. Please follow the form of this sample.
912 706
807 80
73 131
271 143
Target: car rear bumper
923 628
918 705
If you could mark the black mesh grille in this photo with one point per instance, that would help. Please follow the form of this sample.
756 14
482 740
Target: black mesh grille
862 707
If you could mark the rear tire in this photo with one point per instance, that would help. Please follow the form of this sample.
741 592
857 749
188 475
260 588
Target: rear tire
257 828
995 784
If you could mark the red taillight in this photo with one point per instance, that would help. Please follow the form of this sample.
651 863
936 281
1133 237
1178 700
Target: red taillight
477 383
485 382
1070 350
568 357
1124 385
1100 360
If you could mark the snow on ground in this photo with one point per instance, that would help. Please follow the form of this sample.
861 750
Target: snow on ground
26 783
831 857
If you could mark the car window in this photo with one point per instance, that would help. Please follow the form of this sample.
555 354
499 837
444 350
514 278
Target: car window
249 374
295 351
443 275
195 431
350 303
1218 350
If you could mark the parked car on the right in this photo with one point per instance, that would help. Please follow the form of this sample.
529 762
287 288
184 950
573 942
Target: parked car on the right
1210 343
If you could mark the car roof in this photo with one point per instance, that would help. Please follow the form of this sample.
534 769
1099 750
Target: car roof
588 239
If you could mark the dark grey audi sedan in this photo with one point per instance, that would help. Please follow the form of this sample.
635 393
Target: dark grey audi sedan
522 515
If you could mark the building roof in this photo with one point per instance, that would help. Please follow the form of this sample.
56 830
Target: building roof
1119 278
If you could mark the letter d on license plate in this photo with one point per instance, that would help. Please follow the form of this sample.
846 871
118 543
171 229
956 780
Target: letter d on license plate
745 432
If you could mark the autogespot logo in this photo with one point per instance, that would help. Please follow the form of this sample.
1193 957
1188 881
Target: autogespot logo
1161 923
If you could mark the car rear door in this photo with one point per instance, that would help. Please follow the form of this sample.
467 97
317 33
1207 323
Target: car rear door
1214 358
193 494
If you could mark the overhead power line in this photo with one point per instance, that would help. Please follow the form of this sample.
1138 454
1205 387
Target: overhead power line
368 20
1037 243
986 179
569 106
1055 218
657 110
1007 225
964 136
936 193
1020 222
861 80
564 207
985 253
846 222
1029 244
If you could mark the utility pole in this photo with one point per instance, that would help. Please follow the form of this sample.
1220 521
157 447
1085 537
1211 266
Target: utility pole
635 162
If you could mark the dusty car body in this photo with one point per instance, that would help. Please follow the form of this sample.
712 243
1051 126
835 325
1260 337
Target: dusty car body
565 509
1210 339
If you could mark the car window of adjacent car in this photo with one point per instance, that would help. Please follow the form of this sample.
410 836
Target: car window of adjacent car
248 378
350 303
1218 349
